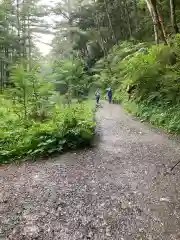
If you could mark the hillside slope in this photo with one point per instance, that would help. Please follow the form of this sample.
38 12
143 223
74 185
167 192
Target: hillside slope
146 79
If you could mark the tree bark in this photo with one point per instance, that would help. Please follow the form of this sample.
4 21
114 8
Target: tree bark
161 24
173 16
101 43
136 14
150 8
157 20
29 40
18 26
110 22
128 19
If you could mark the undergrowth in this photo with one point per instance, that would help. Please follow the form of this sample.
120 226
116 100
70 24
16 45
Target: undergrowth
69 128
34 122
159 116
146 79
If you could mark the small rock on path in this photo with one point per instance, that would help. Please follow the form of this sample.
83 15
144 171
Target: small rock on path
118 190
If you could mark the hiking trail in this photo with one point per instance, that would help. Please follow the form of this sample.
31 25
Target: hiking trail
119 190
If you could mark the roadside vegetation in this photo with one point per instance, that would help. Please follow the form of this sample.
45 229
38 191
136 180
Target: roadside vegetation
146 80
36 121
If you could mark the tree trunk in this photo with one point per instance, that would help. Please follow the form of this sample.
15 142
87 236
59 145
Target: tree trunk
6 52
29 40
160 24
1 69
157 21
110 22
173 15
136 15
6 67
154 21
101 43
24 32
18 26
128 19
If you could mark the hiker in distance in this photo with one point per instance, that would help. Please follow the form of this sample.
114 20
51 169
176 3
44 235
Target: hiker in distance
109 94
97 94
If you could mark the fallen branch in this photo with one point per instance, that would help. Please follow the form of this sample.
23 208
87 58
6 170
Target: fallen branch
175 165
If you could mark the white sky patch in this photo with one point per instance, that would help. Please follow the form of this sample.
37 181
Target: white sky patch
43 41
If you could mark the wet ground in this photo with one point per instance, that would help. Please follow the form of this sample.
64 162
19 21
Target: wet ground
122 189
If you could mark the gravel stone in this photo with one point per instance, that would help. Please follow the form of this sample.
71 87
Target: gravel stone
117 190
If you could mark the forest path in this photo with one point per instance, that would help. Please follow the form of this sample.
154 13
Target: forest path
120 189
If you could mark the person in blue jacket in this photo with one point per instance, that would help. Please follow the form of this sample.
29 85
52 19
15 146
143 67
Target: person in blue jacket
109 94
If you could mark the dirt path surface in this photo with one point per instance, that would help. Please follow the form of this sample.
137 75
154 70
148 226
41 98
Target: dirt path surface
119 190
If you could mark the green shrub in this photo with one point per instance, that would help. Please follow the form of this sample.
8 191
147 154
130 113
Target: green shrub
156 87
159 116
71 79
34 121
70 128
147 82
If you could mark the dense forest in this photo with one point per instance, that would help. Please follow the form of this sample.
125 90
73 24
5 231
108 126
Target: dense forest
131 46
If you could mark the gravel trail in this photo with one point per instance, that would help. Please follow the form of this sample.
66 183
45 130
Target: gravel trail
121 189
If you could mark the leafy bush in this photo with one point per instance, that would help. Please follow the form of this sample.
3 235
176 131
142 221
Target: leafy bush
147 80
69 128
152 77
33 123
160 116
71 79
110 69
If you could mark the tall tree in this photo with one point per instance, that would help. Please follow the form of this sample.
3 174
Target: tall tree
173 15
19 20
157 20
